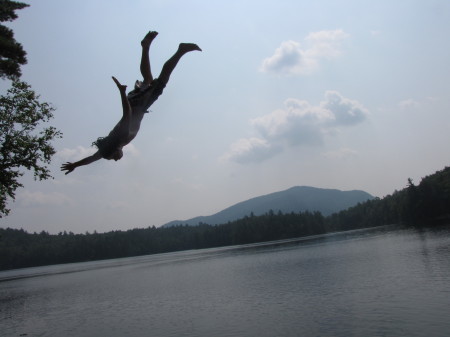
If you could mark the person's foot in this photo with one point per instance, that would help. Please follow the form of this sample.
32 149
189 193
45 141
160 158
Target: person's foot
120 86
187 47
147 40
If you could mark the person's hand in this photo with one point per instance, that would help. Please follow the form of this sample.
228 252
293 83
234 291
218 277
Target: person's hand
69 167
120 86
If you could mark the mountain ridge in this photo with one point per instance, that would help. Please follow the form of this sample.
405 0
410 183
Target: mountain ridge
295 199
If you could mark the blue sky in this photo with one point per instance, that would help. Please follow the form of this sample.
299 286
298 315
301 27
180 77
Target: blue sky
333 94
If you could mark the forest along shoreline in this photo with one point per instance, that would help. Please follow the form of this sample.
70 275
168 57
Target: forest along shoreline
425 204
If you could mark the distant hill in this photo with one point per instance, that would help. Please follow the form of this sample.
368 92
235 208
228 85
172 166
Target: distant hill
296 199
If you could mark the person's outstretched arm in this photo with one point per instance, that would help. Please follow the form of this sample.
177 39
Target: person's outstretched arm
69 167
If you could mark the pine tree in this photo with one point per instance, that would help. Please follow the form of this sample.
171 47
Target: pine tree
12 55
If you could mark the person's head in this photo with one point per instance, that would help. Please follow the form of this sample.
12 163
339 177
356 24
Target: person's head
109 147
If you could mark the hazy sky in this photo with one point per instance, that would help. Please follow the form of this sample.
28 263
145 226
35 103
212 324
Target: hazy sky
333 94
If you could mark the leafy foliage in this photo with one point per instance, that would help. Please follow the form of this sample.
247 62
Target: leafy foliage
24 143
428 202
12 55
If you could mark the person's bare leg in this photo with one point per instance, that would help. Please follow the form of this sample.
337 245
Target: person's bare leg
125 103
171 63
145 59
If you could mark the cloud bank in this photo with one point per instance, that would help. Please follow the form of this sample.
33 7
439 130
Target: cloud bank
299 123
251 150
28 198
342 154
408 104
75 154
81 152
291 58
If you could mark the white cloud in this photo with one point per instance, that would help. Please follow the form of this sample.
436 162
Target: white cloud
325 43
432 99
187 185
298 123
293 59
345 111
118 205
81 152
131 150
408 104
342 154
248 150
75 154
289 58
375 32
28 198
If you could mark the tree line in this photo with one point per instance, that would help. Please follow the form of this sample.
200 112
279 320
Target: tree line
423 205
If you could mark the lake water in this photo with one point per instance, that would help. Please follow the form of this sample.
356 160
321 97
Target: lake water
379 282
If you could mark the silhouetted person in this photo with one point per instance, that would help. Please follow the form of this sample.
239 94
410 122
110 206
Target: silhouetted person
134 105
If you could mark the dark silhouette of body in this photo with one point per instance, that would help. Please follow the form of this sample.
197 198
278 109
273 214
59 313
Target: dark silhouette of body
134 105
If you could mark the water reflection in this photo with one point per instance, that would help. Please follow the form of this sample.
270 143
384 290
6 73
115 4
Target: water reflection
381 282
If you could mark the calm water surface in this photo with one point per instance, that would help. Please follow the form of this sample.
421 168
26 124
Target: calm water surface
379 282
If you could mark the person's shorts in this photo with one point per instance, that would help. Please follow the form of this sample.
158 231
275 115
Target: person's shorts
145 95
